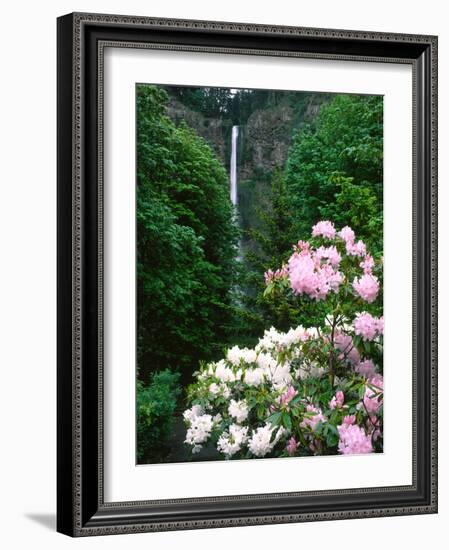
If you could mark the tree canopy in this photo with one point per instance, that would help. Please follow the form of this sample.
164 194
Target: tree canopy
186 242
335 168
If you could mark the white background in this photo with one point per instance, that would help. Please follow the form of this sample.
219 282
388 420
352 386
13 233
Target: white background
123 480
28 321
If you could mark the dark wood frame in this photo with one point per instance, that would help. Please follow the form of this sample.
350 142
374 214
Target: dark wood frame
81 507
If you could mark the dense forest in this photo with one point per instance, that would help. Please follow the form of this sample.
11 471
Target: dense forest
302 157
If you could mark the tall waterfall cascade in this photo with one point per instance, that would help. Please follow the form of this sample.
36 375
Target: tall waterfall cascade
233 180
233 171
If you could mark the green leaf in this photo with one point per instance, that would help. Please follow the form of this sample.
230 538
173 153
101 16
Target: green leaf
287 421
275 418
361 391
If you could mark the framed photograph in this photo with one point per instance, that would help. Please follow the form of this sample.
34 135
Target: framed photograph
247 278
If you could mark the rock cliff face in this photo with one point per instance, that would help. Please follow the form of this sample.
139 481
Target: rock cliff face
264 142
267 135
213 130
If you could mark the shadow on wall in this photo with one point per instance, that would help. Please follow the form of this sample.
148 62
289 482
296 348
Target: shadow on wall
46 520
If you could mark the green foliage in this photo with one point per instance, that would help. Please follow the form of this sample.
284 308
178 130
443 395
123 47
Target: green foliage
252 193
333 172
156 404
270 241
211 102
276 218
335 166
186 242
237 105
361 206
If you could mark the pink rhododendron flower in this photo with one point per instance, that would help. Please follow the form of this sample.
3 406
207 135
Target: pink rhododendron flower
347 234
276 275
330 253
325 229
288 396
373 397
340 397
366 368
329 280
356 249
311 420
380 325
353 440
337 401
377 381
292 445
349 419
344 343
308 276
268 276
303 278
367 287
367 326
302 245
307 335
367 264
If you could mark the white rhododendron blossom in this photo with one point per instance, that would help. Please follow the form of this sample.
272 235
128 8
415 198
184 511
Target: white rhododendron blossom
262 440
273 339
238 410
199 430
214 388
266 361
307 390
280 375
236 355
223 372
192 413
219 390
254 377
249 355
231 442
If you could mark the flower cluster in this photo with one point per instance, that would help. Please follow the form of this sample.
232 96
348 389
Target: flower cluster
276 275
238 410
367 326
353 440
231 441
316 272
352 248
325 229
304 391
367 287
337 401
271 411
264 439
200 427
309 274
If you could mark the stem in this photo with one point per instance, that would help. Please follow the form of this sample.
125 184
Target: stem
374 424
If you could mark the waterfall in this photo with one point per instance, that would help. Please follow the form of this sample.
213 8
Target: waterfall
233 182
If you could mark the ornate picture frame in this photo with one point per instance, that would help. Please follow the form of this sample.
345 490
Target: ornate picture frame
81 508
